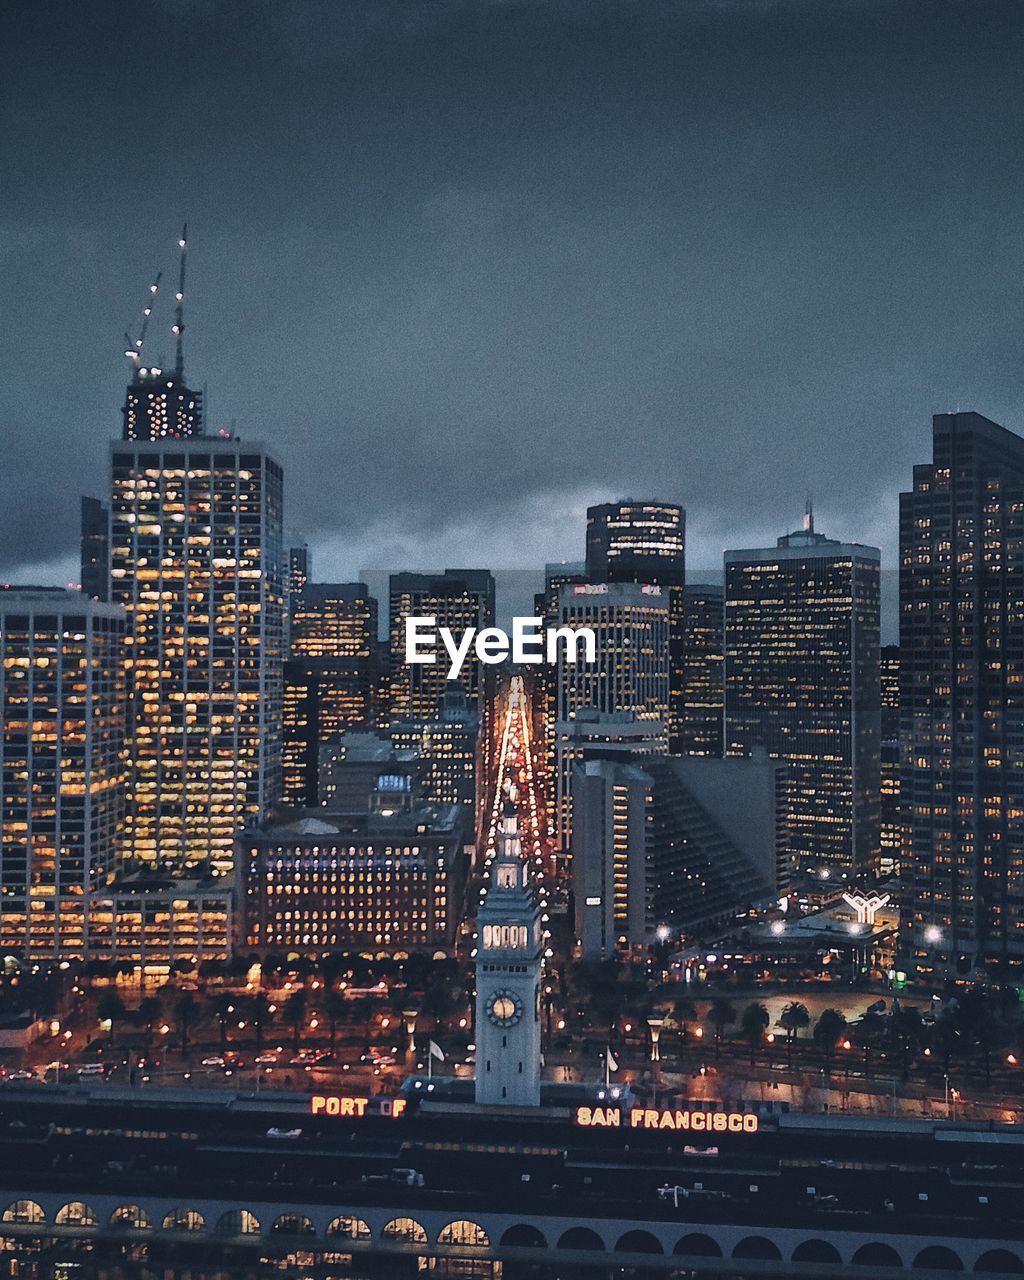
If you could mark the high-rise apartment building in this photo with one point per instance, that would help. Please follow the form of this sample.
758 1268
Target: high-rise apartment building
801 681
704 670
63 706
447 746
332 681
457 599
645 542
630 622
94 549
196 561
891 811
962 700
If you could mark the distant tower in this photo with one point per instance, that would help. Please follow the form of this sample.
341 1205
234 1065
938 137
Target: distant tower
508 968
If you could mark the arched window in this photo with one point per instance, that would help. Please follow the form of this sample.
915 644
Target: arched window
938 1258
698 1245
524 1236
407 1229
1000 1260
76 1214
876 1255
130 1217
816 1251
638 1242
463 1232
580 1238
757 1247
238 1222
24 1211
349 1229
292 1224
183 1219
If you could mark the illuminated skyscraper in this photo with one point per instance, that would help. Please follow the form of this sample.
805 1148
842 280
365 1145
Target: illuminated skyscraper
447 745
631 541
63 707
801 681
196 561
892 822
95 549
704 670
962 700
630 622
457 599
332 681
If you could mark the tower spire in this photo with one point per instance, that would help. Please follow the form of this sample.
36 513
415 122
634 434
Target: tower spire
178 327
809 515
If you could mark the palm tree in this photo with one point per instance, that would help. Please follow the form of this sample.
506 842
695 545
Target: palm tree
224 1007
905 1033
259 1017
148 1011
867 1032
186 1012
793 1018
336 1009
684 1011
754 1024
830 1026
295 1016
722 1014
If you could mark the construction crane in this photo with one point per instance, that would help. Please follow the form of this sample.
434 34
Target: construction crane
133 350
178 327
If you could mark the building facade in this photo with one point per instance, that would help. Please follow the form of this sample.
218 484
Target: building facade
630 622
457 599
196 562
704 670
962 700
332 680
802 682
645 542
663 845
325 882
63 718
447 746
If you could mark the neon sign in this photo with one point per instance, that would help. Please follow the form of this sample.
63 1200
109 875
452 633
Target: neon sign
673 1120
332 1104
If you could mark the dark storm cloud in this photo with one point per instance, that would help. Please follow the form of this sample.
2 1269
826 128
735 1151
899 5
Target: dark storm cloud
472 265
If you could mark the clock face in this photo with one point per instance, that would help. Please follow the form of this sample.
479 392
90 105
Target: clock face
504 1009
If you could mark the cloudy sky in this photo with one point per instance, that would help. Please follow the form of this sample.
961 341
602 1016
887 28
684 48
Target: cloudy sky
473 264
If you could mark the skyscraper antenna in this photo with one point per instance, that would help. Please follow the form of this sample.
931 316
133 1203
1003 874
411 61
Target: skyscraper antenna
809 515
178 328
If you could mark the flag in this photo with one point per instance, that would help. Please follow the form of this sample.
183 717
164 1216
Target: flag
435 1051
612 1064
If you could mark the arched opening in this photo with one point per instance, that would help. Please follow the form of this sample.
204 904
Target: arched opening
877 1255
1000 1260
463 1232
698 1245
638 1242
238 1222
757 1247
184 1219
76 1214
524 1236
349 1229
292 1224
408 1230
938 1258
130 1217
816 1251
24 1211
580 1238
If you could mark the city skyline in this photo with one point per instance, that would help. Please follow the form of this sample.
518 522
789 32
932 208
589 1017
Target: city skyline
407 299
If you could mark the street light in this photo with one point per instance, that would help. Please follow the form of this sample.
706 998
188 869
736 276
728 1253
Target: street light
409 1017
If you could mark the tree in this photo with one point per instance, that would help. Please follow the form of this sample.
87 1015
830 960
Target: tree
793 1018
224 1008
149 1010
722 1014
186 1011
110 1008
259 1016
684 1011
868 1031
295 1016
336 1009
830 1026
905 1034
754 1023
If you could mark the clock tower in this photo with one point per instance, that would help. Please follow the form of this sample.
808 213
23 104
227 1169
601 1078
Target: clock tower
508 964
